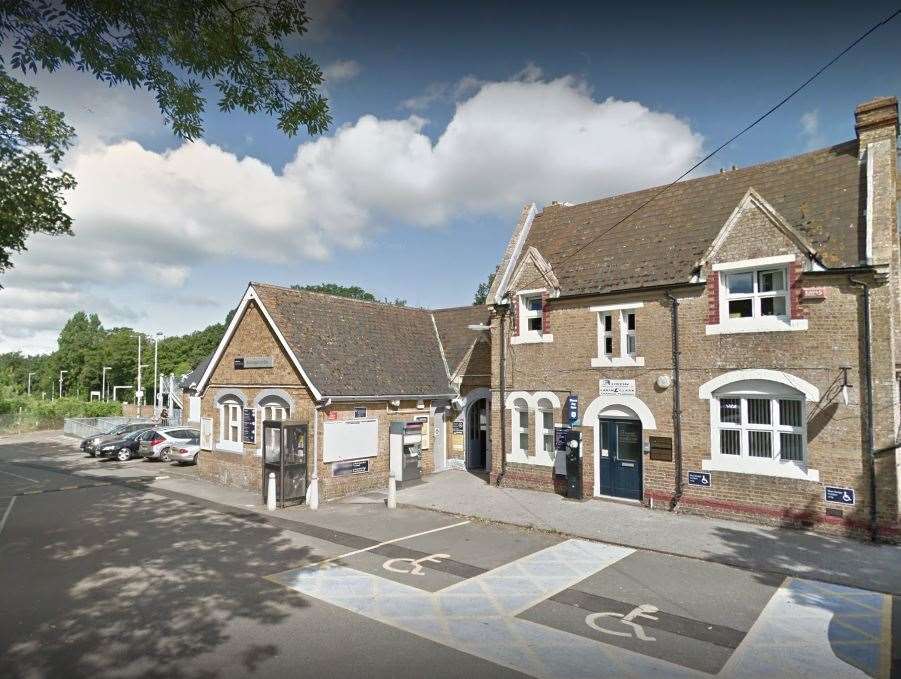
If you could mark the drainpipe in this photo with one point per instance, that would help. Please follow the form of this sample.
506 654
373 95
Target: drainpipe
503 398
677 400
871 406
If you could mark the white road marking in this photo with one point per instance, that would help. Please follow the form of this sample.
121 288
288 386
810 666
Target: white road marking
18 476
415 565
386 542
9 508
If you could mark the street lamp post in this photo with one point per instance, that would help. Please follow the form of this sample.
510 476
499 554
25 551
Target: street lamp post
156 382
103 381
29 382
61 373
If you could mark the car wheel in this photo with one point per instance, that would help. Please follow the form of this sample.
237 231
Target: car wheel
164 456
194 461
93 454
124 455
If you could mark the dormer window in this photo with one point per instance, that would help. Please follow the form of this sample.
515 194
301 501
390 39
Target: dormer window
531 324
756 294
532 313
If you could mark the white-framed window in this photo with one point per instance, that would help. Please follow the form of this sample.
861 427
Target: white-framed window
544 428
275 410
621 320
521 428
759 429
530 322
230 424
757 293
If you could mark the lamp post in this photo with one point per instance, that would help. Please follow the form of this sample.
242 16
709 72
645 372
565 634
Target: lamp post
156 382
103 381
61 373
29 382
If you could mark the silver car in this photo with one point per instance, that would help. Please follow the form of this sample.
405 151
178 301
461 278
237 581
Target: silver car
156 446
185 453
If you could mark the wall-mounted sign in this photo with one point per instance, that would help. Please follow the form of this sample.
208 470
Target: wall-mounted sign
560 438
332 415
619 387
661 448
250 426
572 409
457 426
426 430
247 362
844 496
699 479
813 293
359 412
350 467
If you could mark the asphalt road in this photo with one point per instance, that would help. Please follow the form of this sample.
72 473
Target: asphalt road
105 576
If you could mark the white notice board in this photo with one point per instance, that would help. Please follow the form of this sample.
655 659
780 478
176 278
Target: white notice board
350 439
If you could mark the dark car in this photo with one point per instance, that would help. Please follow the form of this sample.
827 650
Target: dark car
90 444
125 446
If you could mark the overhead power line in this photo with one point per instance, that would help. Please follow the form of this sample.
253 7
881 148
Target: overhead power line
743 131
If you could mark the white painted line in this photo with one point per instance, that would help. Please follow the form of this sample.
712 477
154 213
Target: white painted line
160 478
9 508
17 476
386 542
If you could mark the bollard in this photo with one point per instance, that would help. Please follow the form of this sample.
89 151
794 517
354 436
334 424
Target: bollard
313 493
392 491
270 493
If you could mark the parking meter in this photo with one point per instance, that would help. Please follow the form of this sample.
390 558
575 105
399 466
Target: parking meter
573 464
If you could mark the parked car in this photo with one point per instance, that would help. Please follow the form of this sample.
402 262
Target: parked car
90 444
156 447
123 447
186 453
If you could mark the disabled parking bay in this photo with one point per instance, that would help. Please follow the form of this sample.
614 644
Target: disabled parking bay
549 607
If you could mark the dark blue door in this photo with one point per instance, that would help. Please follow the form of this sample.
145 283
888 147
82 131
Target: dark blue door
619 461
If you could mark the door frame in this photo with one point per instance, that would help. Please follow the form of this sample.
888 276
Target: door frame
620 405
615 419
469 400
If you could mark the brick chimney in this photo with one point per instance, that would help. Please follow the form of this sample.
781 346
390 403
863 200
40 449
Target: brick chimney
876 124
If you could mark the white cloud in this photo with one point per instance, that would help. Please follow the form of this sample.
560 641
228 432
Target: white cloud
345 69
810 129
143 217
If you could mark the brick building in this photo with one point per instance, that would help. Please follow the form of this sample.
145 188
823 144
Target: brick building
347 369
733 344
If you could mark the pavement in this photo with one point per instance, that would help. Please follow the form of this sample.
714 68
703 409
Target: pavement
759 548
138 570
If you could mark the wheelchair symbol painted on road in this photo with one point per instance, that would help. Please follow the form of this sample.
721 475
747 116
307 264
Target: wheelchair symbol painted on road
412 566
636 630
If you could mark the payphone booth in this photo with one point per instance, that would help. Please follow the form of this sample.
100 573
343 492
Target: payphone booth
285 455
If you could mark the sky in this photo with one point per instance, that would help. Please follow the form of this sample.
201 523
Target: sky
448 118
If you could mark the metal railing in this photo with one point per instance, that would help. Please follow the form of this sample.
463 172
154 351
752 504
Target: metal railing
82 427
20 423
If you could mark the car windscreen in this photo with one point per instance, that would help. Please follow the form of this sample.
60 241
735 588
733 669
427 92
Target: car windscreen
134 434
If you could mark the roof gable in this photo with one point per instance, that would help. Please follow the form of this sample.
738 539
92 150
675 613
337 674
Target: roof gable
453 330
533 260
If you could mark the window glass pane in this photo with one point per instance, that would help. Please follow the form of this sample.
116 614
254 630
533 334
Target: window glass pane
628 442
548 418
524 441
789 413
760 444
730 410
630 344
549 443
768 281
792 447
608 345
608 323
524 419
740 308
730 441
535 324
534 304
630 321
758 411
740 283
772 306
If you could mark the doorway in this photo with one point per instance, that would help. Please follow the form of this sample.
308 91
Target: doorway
477 435
619 458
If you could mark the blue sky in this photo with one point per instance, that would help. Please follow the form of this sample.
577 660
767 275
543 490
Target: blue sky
370 203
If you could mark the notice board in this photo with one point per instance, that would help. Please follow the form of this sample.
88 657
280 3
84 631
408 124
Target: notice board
349 439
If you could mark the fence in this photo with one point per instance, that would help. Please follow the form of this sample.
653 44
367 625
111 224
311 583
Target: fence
82 427
19 423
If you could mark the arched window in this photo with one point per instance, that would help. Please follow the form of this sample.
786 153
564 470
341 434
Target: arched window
521 427
274 408
230 422
544 428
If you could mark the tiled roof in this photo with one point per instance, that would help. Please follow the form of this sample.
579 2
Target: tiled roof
350 347
819 193
453 329
191 380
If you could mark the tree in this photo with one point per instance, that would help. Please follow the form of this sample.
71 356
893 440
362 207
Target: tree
352 291
481 295
168 48
31 191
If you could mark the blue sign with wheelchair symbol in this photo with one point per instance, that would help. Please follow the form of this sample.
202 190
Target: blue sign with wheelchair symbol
699 479
844 496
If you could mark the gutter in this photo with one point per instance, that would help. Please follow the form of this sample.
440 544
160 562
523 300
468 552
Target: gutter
871 406
677 402
626 291
388 397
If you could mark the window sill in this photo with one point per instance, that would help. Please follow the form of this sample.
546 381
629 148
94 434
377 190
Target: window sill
531 338
745 325
226 447
617 362
785 470
521 458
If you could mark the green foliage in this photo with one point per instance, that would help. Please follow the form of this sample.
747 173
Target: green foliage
32 141
352 291
169 48
58 408
481 295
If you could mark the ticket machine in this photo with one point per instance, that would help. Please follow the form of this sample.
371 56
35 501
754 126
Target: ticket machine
405 451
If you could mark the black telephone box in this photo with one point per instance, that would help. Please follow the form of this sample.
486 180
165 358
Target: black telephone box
573 465
285 455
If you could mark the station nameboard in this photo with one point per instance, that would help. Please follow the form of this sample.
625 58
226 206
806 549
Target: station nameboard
248 362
